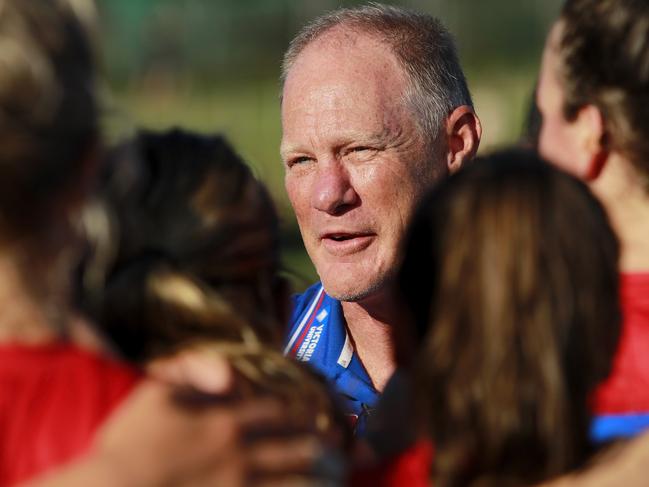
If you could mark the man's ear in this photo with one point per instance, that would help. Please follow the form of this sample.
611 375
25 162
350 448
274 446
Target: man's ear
463 132
590 130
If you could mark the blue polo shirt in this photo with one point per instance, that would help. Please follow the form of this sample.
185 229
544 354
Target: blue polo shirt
318 335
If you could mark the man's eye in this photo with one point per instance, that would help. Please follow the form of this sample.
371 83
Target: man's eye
362 152
298 160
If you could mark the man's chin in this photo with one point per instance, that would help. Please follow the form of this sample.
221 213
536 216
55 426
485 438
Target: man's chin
354 292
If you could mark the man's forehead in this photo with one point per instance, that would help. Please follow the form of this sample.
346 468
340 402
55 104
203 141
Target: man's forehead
347 85
343 36
340 37
351 107
344 47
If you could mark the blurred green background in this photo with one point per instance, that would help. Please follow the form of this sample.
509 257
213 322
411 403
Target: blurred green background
213 65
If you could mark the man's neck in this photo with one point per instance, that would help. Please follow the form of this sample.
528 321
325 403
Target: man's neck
624 193
370 325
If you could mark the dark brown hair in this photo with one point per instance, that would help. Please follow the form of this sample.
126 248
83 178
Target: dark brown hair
48 112
511 276
189 239
604 60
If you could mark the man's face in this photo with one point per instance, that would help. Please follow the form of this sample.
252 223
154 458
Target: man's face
356 161
558 138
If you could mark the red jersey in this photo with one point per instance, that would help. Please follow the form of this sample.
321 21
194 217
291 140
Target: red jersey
627 388
411 467
53 399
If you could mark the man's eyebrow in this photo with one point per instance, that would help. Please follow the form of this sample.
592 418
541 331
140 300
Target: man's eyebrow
382 137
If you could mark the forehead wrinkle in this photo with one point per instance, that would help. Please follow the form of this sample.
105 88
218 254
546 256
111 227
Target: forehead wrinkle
335 105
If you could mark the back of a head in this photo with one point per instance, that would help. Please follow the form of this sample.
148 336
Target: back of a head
191 249
604 60
422 45
188 256
518 322
48 112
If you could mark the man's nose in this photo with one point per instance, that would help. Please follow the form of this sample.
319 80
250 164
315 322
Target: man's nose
334 192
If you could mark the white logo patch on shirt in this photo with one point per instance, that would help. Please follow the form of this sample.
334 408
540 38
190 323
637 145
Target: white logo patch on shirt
321 315
310 343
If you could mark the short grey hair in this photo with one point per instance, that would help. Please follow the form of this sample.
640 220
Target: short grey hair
422 45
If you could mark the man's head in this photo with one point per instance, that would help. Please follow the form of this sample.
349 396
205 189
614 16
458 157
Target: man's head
594 86
375 109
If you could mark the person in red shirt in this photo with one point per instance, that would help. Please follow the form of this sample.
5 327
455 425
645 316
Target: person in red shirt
592 95
59 381
54 391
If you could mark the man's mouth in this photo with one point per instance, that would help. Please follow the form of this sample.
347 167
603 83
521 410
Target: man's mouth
341 237
343 243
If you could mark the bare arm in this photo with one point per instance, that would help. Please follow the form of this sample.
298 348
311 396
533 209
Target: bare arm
625 465
152 441
156 440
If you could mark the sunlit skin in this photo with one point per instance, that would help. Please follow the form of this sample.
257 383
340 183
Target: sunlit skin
558 140
576 146
624 194
356 161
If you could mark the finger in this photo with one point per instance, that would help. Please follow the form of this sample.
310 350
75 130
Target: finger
299 458
240 421
285 455
259 415
199 368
